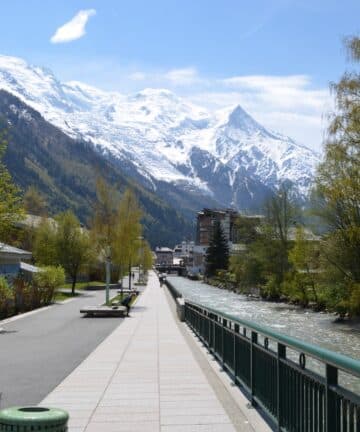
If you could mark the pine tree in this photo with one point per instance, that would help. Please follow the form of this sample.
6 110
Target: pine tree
217 254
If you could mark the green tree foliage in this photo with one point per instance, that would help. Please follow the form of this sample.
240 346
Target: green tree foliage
272 247
73 246
217 254
104 223
48 280
10 199
63 242
302 282
128 232
338 188
147 257
244 265
247 229
44 249
6 296
247 270
34 202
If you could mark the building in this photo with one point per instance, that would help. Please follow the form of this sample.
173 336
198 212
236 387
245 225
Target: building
205 221
184 254
197 265
12 262
164 256
184 249
205 224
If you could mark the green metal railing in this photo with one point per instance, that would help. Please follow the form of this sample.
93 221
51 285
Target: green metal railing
294 398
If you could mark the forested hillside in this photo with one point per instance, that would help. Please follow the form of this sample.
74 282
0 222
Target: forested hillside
65 171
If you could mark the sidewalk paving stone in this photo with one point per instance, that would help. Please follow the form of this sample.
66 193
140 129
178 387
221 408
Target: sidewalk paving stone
143 377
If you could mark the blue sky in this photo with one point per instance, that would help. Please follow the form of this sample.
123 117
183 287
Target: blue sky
275 57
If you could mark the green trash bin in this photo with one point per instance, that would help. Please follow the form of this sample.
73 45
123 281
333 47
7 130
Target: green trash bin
24 419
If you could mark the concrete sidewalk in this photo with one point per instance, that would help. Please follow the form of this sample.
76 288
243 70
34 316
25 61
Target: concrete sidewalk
143 377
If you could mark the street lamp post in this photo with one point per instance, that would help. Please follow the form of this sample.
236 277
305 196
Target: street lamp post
141 240
108 271
141 258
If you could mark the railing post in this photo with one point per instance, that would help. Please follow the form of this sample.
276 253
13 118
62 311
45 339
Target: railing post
236 331
254 339
281 354
331 417
214 335
224 324
209 317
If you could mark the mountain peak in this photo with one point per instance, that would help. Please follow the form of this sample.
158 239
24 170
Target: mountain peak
8 61
156 93
156 131
240 119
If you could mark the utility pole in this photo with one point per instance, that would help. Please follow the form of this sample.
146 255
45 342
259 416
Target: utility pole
108 270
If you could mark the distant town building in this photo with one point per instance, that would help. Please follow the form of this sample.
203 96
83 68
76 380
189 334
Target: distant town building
184 249
205 224
164 256
12 262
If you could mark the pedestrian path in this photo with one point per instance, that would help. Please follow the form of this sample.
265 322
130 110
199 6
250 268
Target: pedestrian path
143 377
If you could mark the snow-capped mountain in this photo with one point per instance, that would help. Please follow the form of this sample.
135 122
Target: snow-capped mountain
160 138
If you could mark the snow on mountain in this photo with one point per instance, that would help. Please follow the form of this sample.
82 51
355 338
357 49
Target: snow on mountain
166 138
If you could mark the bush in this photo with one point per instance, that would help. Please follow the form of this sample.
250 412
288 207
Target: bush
272 289
6 298
24 297
47 281
354 304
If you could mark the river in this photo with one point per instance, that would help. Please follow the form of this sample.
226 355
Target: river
305 324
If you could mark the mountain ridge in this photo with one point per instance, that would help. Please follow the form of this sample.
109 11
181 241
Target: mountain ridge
65 172
157 135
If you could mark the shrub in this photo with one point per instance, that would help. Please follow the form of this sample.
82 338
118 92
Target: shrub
271 290
6 298
47 281
354 303
23 295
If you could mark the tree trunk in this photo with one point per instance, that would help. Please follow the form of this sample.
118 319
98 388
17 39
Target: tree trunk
73 285
130 275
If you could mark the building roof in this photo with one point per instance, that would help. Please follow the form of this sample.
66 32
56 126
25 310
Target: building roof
308 234
13 252
29 268
163 249
208 211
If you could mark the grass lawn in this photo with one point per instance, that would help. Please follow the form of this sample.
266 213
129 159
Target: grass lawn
120 297
61 296
82 285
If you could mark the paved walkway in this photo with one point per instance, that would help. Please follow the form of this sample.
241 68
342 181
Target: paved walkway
39 349
143 377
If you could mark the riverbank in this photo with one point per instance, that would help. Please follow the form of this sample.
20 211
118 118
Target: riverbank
319 328
255 293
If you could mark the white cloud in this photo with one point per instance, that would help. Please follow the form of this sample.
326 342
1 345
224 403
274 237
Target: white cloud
137 76
73 29
173 78
181 77
265 81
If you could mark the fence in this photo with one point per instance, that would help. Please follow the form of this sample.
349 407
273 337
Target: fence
293 397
